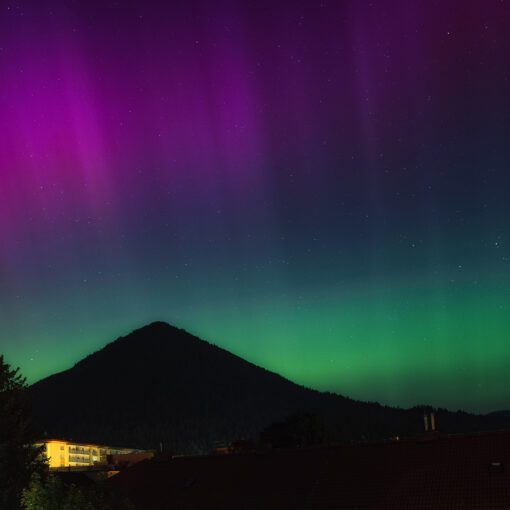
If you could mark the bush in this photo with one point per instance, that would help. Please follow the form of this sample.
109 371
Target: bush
52 494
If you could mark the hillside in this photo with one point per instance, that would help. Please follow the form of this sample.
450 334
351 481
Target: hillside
160 384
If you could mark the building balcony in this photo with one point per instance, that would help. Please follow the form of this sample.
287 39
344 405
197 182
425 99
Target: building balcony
82 451
80 460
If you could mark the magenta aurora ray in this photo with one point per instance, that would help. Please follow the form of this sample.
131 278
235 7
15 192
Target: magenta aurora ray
321 187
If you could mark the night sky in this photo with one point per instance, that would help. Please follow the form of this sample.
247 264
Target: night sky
321 187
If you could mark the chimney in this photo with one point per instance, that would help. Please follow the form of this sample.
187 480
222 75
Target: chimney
429 421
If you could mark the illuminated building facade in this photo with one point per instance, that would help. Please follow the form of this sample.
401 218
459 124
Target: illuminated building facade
61 454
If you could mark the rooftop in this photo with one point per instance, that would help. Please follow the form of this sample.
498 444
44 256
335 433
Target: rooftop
80 443
468 472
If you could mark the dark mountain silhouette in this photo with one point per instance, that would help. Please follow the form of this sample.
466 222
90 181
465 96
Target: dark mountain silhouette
501 414
161 384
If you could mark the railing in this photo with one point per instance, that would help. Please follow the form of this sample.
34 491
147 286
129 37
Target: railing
80 460
79 468
80 451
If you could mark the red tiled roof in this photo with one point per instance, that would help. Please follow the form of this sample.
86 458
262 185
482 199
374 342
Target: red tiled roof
443 473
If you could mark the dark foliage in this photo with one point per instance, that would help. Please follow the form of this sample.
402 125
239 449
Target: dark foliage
17 456
53 494
296 431
162 385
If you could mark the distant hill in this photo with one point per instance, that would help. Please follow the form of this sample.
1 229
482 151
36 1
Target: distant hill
160 384
501 414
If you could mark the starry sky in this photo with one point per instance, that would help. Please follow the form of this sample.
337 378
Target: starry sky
320 187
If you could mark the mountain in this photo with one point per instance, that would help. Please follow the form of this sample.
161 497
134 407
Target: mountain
162 385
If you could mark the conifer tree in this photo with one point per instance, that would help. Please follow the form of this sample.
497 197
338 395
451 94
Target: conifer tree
18 456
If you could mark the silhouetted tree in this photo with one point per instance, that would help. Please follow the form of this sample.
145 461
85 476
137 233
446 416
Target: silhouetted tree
297 430
18 456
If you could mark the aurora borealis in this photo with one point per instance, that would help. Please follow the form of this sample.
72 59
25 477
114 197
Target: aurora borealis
320 187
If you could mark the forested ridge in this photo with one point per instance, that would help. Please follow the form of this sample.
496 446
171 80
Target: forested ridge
161 386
